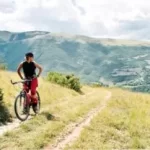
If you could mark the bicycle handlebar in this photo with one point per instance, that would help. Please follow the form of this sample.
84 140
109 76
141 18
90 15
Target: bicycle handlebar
23 81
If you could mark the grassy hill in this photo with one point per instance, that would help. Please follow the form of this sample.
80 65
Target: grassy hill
48 91
60 107
123 123
123 63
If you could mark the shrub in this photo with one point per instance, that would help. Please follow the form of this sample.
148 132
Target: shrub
4 113
69 81
1 95
3 67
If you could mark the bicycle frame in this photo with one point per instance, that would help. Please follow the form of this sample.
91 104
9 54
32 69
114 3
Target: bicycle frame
25 89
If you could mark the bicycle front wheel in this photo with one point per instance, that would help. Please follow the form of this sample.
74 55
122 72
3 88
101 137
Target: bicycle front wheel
22 107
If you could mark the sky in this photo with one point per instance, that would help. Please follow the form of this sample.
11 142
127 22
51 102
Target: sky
125 19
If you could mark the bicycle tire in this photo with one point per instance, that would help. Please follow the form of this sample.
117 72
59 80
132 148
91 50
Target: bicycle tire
16 109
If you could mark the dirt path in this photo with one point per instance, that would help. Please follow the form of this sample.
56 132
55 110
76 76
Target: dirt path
75 129
11 126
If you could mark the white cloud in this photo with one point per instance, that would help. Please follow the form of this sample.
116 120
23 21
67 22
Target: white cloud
7 6
99 18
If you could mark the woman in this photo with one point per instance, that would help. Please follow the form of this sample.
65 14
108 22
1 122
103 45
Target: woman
29 67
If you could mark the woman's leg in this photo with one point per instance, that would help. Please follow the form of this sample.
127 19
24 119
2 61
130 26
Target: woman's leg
34 85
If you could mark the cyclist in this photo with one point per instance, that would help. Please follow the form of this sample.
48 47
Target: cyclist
29 69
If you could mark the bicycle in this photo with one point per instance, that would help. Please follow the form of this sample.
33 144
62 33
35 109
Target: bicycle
23 101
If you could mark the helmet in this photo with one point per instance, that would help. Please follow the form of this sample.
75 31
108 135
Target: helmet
29 54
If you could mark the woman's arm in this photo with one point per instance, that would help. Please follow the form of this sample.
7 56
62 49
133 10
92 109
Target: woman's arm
19 70
40 69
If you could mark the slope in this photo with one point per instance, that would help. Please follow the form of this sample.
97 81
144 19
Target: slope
60 107
123 124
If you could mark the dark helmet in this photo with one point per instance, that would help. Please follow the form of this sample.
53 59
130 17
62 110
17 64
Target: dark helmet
29 55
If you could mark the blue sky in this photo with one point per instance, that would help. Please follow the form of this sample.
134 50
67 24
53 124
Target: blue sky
128 19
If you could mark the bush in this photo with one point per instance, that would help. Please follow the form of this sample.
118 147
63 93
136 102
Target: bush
4 113
69 81
3 67
1 95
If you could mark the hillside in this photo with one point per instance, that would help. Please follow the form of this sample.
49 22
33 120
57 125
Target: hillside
99 118
61 107
124 124
108 61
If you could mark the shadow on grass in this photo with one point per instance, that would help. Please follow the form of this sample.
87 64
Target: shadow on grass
49 116
81 92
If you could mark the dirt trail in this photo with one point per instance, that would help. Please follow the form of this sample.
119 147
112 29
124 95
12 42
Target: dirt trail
10 126
16 123
75 129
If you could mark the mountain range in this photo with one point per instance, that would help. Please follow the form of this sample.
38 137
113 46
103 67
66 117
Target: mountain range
112 62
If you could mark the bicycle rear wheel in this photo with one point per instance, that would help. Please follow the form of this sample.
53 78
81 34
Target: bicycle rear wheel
22 107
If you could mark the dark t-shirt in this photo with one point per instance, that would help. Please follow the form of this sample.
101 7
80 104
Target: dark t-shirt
29 69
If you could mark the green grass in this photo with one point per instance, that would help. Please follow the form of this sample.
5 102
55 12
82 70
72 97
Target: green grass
49 92
124 124
60 107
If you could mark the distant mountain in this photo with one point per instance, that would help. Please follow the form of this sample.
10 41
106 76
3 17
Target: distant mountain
108 61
